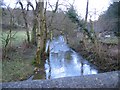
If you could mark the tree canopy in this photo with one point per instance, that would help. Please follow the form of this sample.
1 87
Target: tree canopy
72 14
113 10
74 17
112 18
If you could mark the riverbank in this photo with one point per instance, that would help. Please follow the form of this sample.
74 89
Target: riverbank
23 56
109 60
19 63
17 66
103 80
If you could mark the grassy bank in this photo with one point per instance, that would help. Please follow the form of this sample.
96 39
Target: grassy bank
16 70
18 64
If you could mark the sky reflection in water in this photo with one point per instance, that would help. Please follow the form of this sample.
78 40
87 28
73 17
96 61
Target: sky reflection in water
59 66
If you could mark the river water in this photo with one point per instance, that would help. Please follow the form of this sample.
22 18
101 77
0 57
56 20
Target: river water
64 62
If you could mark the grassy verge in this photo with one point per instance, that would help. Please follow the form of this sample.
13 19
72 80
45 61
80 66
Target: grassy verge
18 65
15 70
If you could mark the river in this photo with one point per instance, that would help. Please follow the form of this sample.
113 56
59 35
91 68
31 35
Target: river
64 62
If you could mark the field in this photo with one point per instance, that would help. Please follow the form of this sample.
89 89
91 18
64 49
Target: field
19 37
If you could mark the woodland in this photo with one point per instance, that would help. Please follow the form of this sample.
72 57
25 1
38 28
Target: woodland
28 31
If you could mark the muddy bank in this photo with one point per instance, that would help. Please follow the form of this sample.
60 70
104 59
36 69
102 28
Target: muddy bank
107 64
103 80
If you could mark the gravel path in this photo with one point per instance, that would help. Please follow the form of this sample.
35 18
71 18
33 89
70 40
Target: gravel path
103 80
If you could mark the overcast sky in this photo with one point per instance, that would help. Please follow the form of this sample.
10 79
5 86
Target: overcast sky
98 6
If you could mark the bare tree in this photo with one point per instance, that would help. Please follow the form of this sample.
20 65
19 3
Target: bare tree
7 41
35 22
25 19
84 26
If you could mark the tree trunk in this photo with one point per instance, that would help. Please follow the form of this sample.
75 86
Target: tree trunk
41 34
33 33
84 26
26 23
27 30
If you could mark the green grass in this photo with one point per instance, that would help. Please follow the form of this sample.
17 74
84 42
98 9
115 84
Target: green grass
15 70
111 40
18 38
19 67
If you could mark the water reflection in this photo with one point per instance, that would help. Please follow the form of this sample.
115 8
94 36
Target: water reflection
64 62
